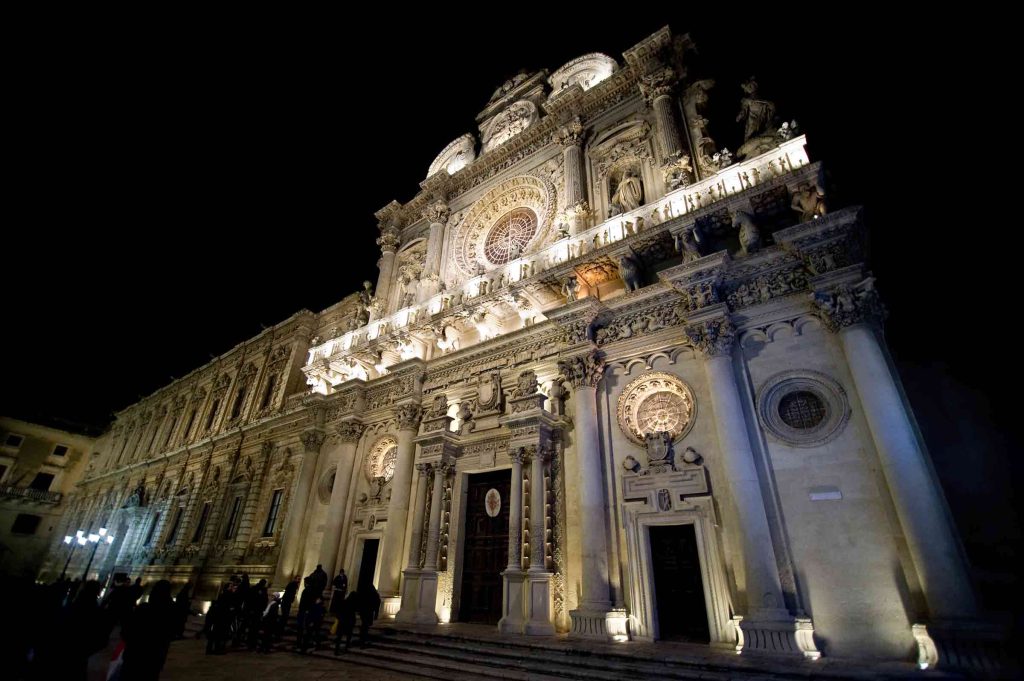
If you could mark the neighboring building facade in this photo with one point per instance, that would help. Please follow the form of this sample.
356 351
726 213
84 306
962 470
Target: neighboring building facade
39 466
610 382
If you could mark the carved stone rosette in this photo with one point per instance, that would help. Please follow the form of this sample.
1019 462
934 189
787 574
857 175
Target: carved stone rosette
583 370
712 337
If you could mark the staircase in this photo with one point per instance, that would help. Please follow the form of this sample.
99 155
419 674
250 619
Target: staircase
468 653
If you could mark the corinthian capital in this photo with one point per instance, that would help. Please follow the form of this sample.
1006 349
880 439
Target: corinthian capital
712 337
657 84
350 431
388 241
848 304
570 134
437 212
313 439
583 371
408 416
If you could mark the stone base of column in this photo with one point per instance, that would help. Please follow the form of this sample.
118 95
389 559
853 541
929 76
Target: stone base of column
601 623
538 604
776 633
512 607
390 606
971 646
419 597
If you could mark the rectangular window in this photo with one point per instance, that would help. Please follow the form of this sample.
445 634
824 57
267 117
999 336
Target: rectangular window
13 440
275 506
60 450
268 393
201 525
213 414
152 529
236 411
234 518
25 523
188 427
170 432
175 525
42 482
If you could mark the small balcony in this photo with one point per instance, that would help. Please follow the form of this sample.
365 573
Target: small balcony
29 494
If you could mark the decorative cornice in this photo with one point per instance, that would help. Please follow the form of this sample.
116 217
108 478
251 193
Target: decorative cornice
583 370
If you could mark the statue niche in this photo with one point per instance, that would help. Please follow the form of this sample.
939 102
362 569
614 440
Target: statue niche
626 189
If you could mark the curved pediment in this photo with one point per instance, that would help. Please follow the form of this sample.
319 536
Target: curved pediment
586 71
454 157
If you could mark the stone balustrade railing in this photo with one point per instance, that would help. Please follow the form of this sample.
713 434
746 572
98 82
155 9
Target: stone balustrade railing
30 494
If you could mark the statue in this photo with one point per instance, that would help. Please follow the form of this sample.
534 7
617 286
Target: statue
629 271
695 103
629 195
758 113
809 202
750 236
688 243
465 415
569 289
366 301
557 394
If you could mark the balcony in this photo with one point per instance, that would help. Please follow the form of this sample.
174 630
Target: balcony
29 494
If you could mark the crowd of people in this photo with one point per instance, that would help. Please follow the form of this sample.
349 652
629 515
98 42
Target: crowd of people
70 621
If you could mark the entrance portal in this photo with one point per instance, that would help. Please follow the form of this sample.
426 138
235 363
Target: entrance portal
368 564
678 587
485 553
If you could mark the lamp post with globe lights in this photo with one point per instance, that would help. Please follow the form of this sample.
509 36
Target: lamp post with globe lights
96 539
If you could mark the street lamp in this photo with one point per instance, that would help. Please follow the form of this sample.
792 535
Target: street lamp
74 543
95 539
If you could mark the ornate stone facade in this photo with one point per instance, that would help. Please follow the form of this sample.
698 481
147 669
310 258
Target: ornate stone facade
717 326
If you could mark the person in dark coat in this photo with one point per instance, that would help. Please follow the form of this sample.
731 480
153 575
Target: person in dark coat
312 626
148 634
369 608
81 629
120 602
340 585
286 604
346 613
255 606
269 625
183 606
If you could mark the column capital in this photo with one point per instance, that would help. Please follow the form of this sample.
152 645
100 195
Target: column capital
437 212
423 469
350 431
408 416
313 439
388 241
712 337
518 455
657 84
583 371
570 134
845 305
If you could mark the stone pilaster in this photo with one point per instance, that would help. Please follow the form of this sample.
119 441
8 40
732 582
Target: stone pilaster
289 563
408 416
388 242
349 433
512 578
570 137
657 88
437 216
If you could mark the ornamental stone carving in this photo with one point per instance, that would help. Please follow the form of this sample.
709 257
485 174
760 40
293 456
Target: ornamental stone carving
570 134
656 402
350 431
657 84
526 385
380 462
388 241
846 305
713 337
437 212
586 71
509 123
454 157
313 439
583 370
408 416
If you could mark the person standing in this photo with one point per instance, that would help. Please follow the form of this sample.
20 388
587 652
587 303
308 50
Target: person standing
183 606
346 621
340 585
286 604
148 634
369 608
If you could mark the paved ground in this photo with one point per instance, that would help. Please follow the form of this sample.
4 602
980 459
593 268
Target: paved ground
188 661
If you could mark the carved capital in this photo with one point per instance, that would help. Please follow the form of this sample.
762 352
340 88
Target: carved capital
583 370
388 241
712 337
350 431
570 134
408 416
423 469
313 439
657 84
517 455
437 212
845 305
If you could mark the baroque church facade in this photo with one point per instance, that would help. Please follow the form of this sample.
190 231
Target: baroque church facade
613 381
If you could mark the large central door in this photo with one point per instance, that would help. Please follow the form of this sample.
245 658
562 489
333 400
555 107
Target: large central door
485 552
678 587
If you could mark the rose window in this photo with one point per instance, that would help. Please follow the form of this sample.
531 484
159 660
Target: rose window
509 236
656 402
380 463
662 412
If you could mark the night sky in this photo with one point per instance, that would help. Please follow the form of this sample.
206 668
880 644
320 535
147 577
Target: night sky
178 188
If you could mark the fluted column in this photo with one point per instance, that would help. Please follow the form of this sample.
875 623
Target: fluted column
388 242
398 510
349 433
293 537
537 507
767 625
852 312
437 215
515 512
422 470
570 136
656 89
434 529
584 374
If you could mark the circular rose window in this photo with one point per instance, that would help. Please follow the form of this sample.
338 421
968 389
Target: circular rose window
380 462
509 236
654 403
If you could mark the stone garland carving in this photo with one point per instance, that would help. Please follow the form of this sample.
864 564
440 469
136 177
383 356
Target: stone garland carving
408 416
583 370
350 431
713 337
766 287
647 320
846 305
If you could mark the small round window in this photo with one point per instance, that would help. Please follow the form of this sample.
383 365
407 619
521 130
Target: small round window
802 408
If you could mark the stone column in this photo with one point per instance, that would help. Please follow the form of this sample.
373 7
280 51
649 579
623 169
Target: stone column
398 510
293 536
767 626
852 312
538 579
656 89
388 242
349 433
584 373
437 215
570 136
434 529
512 578
419 505
537 511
